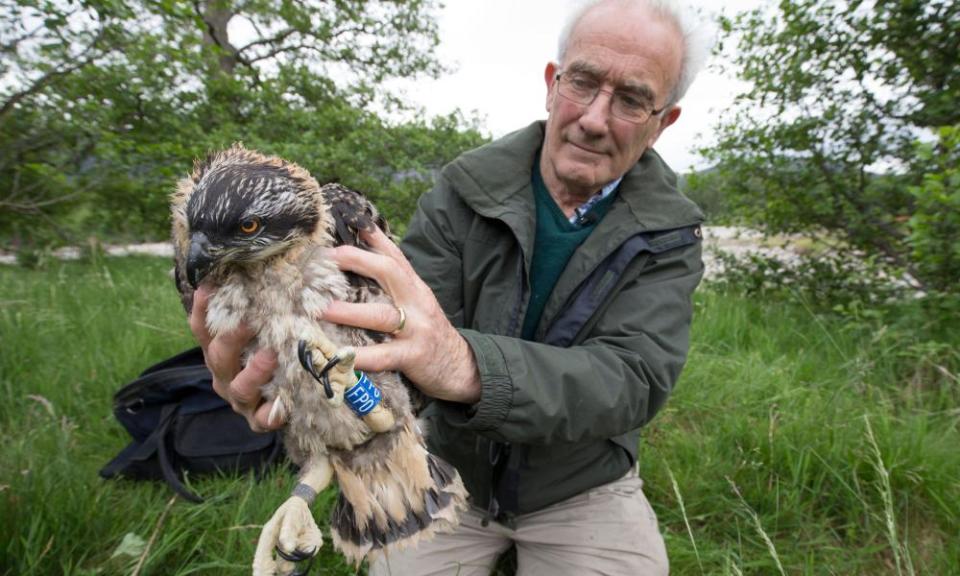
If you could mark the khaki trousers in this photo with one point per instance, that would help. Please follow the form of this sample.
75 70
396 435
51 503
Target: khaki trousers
609 530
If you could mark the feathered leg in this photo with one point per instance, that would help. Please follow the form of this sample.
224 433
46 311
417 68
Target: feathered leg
292 529
405 495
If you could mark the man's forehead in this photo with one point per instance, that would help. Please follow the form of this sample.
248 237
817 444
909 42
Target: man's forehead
624 73
623 69
654 67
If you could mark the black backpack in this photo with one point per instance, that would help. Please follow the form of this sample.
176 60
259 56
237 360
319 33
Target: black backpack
178 423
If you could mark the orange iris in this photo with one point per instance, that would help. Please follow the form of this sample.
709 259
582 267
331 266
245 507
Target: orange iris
250 226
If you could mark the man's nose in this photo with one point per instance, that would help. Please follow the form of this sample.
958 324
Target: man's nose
595 118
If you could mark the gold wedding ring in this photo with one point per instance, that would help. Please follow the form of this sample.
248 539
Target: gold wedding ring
402 322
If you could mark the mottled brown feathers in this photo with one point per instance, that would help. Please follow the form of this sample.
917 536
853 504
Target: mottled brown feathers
351 213
278 280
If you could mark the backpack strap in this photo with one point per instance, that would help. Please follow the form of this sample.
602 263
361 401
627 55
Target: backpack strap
168 416
260 472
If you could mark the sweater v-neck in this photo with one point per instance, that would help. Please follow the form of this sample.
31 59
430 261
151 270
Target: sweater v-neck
555 242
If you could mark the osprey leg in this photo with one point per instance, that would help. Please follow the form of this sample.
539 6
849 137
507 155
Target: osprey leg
332 367
292 532
338 376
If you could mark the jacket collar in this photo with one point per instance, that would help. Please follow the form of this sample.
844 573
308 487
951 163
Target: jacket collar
494 180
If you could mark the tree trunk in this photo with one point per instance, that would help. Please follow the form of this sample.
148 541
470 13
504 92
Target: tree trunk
216 15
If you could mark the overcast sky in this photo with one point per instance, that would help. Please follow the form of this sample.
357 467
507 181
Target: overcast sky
499 48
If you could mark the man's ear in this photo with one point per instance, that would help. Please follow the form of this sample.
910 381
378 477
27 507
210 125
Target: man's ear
669 117
550 78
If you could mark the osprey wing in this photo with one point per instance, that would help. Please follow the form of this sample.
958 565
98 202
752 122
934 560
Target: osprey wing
351 213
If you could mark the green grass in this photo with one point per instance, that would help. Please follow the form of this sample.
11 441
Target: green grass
804 445
793 444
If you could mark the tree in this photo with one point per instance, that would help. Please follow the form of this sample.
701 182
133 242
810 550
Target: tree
824 142
41 44
934 227
104 103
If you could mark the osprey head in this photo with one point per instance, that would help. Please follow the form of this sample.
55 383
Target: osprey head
245 208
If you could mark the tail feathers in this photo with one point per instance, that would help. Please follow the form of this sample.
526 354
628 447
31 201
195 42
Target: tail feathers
439 512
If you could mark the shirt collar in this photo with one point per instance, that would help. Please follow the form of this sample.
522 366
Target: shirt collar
582 209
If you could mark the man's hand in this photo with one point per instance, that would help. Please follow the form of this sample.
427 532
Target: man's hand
239 385
428 349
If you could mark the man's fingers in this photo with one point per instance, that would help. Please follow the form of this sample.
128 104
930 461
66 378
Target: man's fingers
261 418
392 272
238 385
379 357
385 263
198 316
371 316
363 262
380 243
222 353
245 388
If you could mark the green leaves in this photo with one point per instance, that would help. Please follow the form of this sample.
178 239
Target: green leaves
104 104
934 236
823 142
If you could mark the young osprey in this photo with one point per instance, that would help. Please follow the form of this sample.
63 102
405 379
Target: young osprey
256 228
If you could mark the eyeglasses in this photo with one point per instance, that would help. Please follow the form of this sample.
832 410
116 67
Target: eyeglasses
582 89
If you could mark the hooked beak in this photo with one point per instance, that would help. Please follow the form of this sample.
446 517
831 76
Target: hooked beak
199 261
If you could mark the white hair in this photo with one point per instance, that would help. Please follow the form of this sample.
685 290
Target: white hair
697 38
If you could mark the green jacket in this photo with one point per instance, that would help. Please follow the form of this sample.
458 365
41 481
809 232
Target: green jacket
554 419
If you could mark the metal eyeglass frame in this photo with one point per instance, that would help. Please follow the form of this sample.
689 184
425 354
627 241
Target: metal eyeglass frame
613 94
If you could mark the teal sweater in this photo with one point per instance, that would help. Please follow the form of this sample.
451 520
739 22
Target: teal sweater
555 242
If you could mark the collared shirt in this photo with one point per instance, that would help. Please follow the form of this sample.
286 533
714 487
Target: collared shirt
581 210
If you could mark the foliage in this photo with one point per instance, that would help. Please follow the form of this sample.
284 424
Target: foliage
707 189
824 140
828 281
770 418
852 287
934 227
104 104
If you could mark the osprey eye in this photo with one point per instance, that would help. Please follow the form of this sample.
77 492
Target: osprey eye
250 225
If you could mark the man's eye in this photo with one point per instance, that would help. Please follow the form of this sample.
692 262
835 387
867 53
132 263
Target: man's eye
582 83
250 225
631 102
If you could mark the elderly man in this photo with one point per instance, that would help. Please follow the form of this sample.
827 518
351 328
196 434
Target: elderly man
545 287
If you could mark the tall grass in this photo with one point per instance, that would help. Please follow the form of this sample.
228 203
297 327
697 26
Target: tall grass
71 335
793 443
808 445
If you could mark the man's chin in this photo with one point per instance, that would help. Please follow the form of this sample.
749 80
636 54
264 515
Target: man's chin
582 175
